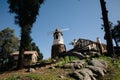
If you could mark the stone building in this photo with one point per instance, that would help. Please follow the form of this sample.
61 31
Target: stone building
30 57
58 46
88 45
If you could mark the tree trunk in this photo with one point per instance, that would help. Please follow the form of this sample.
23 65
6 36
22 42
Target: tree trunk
116 42
108 36
21 51
25 43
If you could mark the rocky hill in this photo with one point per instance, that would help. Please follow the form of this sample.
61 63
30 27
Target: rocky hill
69 67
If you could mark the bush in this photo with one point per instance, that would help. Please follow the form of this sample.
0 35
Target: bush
73 58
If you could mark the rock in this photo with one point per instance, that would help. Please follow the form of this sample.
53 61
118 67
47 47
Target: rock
80 55
87 71
74 61
60 76
97 70
52 67
68 65
97 63
76 54
31 70
90 73
104 63
78 61
78 64
78 75
87 56
93 78
87 74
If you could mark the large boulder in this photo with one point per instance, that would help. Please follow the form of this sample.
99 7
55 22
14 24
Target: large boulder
91 71
98 63
78 75
87 73
76 54
68 65
97 70
31 70
104 63
78 64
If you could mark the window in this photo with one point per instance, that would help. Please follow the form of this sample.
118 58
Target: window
56 36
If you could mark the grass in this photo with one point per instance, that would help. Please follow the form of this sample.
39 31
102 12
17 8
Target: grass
47 74
66 59
14 77
113 69
54 74
34 76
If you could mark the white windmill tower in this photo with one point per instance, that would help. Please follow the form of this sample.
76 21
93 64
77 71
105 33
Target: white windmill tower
58 46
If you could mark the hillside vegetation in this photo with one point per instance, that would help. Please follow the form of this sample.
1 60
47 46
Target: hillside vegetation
58 72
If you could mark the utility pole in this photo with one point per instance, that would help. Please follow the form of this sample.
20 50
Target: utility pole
110 49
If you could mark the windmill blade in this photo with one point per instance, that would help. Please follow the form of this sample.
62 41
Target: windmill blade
50 33
65 29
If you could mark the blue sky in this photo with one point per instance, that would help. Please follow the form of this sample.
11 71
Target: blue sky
82 17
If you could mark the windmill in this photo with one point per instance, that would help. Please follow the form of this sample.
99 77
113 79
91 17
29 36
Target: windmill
58 46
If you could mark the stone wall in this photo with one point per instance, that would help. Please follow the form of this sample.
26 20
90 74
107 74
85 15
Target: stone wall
57 50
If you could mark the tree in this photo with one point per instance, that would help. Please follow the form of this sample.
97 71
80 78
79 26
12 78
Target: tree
116 33
108 36
25 12
35 48
8 43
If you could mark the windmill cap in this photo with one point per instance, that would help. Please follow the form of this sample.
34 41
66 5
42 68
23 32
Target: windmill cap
58 30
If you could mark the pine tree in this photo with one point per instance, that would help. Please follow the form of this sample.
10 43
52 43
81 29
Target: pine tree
26 12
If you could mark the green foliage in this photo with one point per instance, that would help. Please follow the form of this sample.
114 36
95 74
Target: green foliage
116 33
34 47
26 12
60 64
49 60
8 43
114 68
70 58
73 58
25 15
66 59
